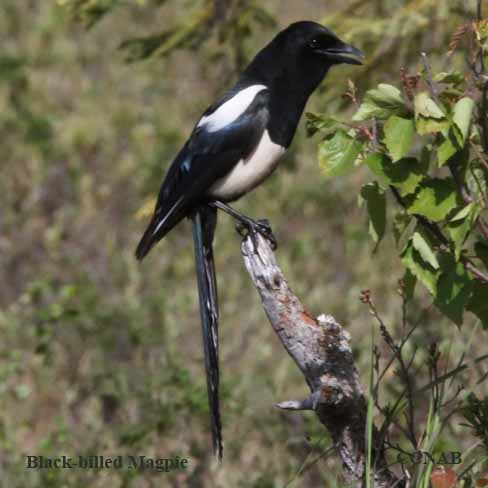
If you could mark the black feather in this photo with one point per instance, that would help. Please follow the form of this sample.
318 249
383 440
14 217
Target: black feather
204 222
206 157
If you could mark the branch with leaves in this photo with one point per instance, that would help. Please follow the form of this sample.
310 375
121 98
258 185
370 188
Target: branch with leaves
423 142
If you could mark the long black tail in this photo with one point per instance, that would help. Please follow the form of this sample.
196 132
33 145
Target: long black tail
204 222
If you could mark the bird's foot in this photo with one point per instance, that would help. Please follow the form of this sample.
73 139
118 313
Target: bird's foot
252 228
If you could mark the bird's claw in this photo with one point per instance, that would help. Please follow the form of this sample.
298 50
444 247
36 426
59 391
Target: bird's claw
267 232
252 228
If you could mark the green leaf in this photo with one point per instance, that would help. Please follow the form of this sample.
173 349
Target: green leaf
399 135
478 304
423 247
451 78
426 125
477 181
376 205
405 175
435 199
412 260
458 232
403 226
453 289
461 225
318 122
447 149
464 212
409 282
381 102
429 117
462 118
338 153
426 107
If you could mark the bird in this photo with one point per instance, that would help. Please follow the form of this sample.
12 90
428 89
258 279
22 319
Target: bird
235 145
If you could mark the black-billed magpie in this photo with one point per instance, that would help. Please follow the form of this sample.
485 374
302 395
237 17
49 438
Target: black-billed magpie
234 146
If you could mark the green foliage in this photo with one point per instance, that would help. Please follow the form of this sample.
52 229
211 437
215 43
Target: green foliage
420 244
381 103
453 288
429 118
477 302
418 267
461 118
405 175
460 226
399 133
338 153
434 198
375 199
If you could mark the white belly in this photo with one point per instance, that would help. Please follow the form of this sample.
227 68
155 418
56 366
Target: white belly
249 172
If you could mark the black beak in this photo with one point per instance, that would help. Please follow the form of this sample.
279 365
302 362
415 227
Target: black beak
345 53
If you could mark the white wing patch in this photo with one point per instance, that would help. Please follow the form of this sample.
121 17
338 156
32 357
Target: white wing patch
230 110
167 215
249 172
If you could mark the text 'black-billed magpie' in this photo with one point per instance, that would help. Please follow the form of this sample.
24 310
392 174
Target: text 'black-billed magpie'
235 145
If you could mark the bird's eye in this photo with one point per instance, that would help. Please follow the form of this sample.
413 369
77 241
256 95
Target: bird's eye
314 43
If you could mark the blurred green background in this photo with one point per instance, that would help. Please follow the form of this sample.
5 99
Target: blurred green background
101 354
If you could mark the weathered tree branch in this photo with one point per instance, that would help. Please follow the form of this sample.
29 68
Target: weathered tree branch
321 349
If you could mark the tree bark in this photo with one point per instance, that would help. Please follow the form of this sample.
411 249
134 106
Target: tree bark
321 349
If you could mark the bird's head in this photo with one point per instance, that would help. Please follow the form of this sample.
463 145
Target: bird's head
299 57
314 44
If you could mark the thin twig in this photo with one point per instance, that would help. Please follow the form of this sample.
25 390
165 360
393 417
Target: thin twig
451 373
483 228
479 15
304 466
392 359
480 155
374 131
468 264
428 72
